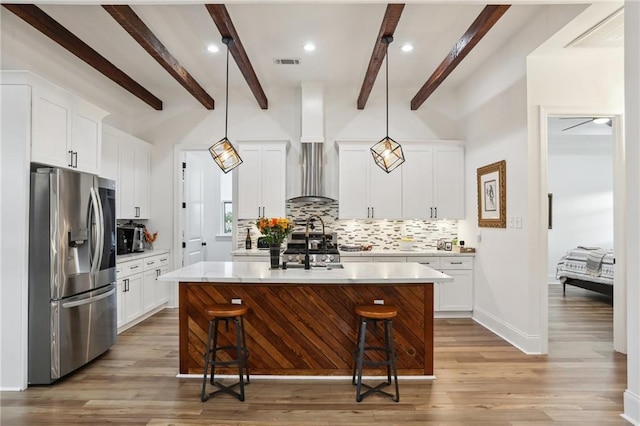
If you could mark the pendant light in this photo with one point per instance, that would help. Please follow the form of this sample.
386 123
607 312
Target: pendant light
387 153
223 151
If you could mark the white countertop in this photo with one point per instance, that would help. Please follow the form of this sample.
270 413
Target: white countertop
141 255
352 273
390 253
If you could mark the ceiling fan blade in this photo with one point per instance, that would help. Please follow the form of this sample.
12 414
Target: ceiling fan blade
576 125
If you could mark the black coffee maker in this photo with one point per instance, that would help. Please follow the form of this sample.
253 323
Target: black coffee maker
130 238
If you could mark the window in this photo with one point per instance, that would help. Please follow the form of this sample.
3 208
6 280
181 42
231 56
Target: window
227 217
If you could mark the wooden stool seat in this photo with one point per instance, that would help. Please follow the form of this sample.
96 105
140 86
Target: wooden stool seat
225 310
376 311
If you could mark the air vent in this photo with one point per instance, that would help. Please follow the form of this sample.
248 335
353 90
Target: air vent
284 61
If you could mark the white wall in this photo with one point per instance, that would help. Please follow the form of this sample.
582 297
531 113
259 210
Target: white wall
632 129
580 177
15 155
495 124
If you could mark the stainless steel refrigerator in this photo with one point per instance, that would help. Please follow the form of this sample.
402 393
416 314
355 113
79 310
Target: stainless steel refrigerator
72 271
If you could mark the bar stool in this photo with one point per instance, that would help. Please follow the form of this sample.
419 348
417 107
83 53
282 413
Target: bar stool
225 313
375 313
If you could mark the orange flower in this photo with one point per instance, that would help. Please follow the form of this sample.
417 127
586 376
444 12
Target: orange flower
275 230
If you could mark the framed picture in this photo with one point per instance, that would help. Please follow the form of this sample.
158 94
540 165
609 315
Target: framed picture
492 195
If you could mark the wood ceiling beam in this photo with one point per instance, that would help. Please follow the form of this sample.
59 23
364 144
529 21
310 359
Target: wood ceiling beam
478 29
223 21
131 22
387 28
44 23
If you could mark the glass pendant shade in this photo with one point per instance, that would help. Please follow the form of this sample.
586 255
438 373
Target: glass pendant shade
387 154
225 155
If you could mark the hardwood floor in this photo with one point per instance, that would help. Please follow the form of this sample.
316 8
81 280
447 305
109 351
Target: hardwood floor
481 380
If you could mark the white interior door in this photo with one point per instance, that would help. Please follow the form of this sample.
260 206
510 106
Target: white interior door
195 244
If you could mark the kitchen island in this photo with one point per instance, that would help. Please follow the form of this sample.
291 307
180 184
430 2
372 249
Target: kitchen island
301 322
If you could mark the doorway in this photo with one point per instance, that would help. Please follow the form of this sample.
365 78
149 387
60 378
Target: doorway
618 166
206 213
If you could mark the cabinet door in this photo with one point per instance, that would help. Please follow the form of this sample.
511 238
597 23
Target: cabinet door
249 182
126 181
149 290
133 298
273 181
162 287
51 138
141 182
85 143
448 179
353 191
385 192
456 295
417 183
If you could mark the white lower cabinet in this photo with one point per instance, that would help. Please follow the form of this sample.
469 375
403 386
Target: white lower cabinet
456 296
452 299
140 294
129 291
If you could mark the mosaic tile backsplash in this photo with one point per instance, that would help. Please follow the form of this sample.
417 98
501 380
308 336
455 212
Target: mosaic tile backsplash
381 234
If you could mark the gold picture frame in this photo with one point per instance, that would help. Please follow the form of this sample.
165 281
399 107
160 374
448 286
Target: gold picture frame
492 195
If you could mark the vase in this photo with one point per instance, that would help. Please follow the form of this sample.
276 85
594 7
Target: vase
274 254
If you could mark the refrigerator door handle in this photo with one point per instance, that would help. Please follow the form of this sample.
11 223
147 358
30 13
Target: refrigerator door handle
94 299
96 210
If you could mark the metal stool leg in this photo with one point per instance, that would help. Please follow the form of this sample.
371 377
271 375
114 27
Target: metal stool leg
216 323
394 360
240 355
361 343
245 349
207 355
387 350
355 353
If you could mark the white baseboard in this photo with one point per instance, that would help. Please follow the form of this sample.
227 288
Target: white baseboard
529 344
631 408
452 314
141 318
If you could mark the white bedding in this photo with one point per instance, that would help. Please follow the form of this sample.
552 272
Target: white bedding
574 265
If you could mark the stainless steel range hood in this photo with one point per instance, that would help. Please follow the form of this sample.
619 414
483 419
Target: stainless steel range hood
312 143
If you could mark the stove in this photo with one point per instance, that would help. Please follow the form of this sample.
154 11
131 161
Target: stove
323 249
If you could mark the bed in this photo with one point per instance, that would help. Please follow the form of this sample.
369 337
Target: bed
587 267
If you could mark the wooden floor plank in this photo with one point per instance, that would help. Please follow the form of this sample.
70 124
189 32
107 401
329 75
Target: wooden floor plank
481 380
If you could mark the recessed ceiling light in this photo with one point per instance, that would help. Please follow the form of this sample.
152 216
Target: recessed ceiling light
407 47
601 120
213 48
309 47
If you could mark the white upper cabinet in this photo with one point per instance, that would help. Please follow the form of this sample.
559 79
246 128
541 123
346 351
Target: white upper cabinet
365 190
66 129
132 170
261 179
428 185
448 182
433 182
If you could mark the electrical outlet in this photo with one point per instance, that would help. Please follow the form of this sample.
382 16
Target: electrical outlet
236 301
378 302
510 222
518 222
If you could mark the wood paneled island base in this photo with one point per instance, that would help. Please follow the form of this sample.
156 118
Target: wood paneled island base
308 329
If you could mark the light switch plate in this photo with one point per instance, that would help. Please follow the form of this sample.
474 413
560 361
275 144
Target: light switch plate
518 222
